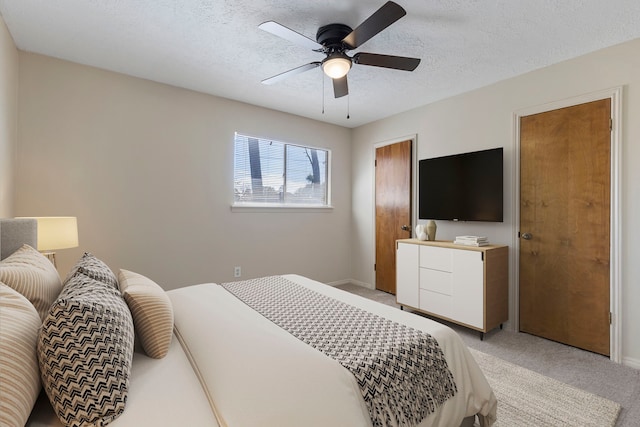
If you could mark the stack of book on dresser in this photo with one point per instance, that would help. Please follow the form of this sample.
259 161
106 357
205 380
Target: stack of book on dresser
471 240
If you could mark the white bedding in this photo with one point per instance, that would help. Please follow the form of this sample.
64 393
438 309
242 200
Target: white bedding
230 367
257 374
162 392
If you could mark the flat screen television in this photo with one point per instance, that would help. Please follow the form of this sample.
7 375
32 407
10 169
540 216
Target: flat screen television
461 187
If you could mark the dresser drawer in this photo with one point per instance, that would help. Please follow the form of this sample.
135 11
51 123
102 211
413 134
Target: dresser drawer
436 258
435 303
436 281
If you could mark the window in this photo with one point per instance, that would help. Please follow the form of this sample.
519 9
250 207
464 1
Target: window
273 173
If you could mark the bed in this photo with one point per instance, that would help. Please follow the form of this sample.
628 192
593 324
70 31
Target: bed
231 360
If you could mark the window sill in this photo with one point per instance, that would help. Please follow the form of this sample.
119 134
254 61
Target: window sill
259 208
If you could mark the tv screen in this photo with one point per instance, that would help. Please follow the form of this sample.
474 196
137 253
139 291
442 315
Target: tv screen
461 187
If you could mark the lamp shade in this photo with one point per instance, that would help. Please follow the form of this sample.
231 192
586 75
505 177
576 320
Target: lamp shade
57 232
336 65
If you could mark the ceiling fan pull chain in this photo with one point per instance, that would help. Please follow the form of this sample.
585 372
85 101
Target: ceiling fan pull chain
322 76
348 104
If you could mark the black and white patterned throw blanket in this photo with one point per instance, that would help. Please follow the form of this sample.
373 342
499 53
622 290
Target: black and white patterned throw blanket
402 372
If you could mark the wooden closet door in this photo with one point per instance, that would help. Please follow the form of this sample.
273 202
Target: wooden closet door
565 225
393 208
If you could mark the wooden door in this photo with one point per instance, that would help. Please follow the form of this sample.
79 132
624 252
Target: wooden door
393 209
564 225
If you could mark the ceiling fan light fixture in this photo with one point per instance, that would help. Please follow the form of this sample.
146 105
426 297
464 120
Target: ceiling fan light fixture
336 65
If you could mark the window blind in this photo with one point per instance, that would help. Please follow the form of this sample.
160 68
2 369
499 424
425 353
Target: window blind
274 172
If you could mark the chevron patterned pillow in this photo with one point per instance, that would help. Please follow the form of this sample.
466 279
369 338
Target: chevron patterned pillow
95 268
85 350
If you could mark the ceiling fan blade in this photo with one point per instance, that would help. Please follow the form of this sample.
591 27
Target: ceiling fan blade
290 35
389 13
340 87
386 61
287 74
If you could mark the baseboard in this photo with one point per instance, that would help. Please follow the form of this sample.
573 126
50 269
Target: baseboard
339 282
631 362
352 281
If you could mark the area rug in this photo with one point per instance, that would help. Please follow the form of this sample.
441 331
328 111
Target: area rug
526 398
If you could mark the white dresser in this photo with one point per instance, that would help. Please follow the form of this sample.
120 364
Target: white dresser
462 284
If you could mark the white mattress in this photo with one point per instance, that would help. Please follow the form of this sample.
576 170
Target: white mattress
163 392
258 374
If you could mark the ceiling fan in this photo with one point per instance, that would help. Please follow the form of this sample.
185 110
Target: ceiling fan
334 40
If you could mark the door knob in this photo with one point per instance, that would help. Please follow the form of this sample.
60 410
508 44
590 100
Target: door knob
405 228
526 236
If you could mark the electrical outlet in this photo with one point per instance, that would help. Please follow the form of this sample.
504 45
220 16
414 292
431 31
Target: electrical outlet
237 271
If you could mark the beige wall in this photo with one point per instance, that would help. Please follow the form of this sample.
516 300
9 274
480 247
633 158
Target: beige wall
8 118
484 119
148 170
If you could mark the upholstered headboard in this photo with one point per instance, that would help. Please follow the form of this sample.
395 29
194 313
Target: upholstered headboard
16 232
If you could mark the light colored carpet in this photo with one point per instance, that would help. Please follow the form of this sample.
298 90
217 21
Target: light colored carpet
526 398
579 369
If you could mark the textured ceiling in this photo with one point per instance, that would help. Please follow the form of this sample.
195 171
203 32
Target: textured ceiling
215 46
